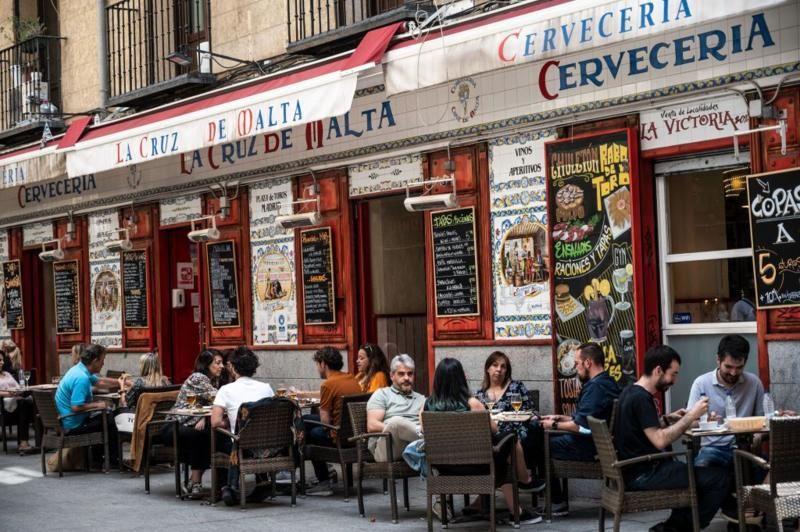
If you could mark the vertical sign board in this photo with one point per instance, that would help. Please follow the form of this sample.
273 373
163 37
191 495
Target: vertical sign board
589 198
66 280
455 266
774 200
12 284
223 284
134 289
319 294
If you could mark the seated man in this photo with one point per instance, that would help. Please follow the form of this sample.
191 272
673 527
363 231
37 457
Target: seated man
74 396
244 389
395 409
638 431
729 378
336 383
596 399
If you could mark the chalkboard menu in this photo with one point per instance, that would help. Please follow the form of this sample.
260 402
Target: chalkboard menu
12 302
455 264
774 200
590 196
319 296
223 284
66 279
134 288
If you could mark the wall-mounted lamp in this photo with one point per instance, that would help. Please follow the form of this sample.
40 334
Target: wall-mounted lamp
429 202
220 192
69 234
115 246
304 218
204 235
51 255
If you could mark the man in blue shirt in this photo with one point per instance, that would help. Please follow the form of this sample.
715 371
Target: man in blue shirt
74 398
598 391
729 378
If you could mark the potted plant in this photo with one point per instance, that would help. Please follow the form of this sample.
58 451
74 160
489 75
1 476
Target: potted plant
22 31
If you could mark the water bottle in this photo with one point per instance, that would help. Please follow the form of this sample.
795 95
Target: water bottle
730 408
769 408
21 378
704 417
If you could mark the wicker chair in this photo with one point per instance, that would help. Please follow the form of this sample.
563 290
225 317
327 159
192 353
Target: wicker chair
269 426
369 469
344 453
780 499
157 451
54 436
566 469
458 439
613 496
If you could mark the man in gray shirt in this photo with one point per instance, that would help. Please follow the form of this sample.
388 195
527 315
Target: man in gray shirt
729 378
395 409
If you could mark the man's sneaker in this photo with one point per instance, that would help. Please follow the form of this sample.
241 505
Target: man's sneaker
534 486
528 518
229 496
283 477
323 489
558 508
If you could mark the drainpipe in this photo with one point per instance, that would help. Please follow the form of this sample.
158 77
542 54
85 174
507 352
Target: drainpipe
102 51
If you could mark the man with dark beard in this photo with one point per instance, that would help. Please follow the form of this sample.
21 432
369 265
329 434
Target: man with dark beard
598 391
638 431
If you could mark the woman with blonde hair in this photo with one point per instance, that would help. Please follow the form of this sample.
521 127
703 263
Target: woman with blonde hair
12 353
75 354
150 376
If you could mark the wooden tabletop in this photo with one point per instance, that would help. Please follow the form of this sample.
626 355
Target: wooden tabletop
187 412
512 417
695 433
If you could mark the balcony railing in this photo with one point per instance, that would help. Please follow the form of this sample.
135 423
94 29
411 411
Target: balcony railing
30 86
140 36
312 23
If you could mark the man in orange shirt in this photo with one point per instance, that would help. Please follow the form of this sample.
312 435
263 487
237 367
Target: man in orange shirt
335 384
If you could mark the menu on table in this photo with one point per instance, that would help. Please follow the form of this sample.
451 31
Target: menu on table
223 284
66 280
319 296
134 288
455 263
12 299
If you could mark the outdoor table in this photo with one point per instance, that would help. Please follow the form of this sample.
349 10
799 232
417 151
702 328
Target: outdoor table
512 417
692 438
204 412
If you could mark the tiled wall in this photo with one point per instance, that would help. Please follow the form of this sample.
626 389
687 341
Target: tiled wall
784 374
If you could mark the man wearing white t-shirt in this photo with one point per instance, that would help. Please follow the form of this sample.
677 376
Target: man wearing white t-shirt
244 389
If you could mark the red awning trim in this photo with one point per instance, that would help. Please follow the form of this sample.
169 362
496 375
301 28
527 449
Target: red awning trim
372 46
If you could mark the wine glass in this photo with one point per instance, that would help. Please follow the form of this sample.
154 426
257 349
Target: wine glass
281 390
516 401
191 399
26 374
490 400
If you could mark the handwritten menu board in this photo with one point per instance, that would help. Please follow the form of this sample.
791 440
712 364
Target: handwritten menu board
66 279
319 296
455 264
12 301
223 284
134 288
590 214
774 200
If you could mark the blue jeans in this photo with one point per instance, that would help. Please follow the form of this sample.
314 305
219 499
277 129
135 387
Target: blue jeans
712 488
316 435
714 456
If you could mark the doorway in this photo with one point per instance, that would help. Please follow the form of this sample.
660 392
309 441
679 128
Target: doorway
39 315
182 337
391 259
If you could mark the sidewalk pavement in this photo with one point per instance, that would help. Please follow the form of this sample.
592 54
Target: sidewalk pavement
85 501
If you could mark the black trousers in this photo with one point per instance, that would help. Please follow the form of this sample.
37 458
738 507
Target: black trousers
194 446
94 423
23 416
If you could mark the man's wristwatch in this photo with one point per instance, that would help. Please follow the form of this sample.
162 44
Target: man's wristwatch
555 425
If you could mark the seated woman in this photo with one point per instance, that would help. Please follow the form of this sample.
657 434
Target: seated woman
451 394
193 436
496 392
16 409
373 368
150 376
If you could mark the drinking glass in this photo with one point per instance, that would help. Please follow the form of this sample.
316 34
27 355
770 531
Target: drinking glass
280 391
191 399
55 380
27 376
292 393
516 401
490 400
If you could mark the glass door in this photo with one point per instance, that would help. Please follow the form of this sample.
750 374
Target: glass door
705 260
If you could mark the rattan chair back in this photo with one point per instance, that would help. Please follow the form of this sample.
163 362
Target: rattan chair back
605 448
358 422
457 438
784 442
48 412
269 424
346 430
